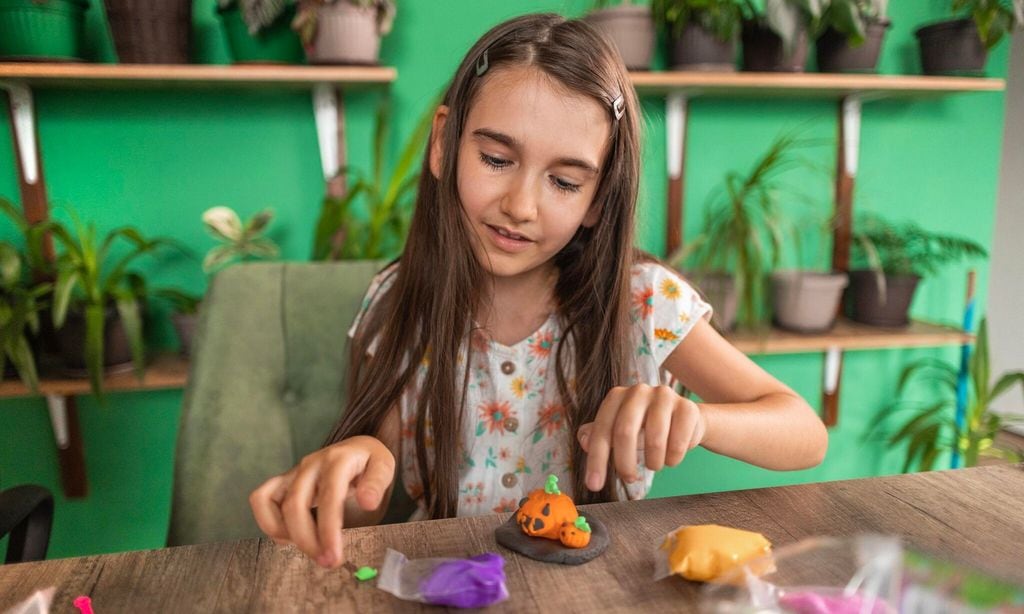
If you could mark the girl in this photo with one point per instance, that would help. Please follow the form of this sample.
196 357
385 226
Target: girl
519 334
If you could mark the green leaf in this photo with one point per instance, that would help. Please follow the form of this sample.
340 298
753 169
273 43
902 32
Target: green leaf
95 323
10 265
1006 381
919 423
979 365
217 257
67 279
131 320
937 369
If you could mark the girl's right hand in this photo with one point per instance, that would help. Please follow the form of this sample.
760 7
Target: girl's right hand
356 473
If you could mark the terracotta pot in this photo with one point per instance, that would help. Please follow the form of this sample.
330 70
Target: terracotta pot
345 34
763 50
631 28
952 48
699 49
836 55
869 306
805 301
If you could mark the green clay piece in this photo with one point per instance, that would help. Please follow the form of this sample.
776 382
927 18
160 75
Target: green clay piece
581 524
365 573
551 487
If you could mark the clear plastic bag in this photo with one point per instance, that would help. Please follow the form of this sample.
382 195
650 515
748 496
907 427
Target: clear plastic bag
462 583
866 574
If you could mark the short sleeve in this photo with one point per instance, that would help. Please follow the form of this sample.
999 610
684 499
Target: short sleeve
379 286
664 308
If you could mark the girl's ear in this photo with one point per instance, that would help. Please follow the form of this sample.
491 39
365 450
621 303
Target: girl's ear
593 215
436 141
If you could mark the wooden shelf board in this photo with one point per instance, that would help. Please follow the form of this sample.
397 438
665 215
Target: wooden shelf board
809 85
848 335
165 371
191 75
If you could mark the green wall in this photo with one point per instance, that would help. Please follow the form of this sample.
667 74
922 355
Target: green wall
157 159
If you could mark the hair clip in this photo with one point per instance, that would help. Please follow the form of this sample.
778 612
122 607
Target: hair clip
482 64
619 107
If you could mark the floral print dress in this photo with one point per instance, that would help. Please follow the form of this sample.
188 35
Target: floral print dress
516 430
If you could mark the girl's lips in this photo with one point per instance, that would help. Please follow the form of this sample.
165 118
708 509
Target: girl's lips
506 244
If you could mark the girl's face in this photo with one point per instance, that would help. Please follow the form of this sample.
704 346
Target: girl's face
528 168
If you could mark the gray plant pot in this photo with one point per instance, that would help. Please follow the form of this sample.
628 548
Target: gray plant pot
698 49
631 28
806 302
952 48
718 289
345 34
185 327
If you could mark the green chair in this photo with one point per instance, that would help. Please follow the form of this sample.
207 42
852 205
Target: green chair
267 382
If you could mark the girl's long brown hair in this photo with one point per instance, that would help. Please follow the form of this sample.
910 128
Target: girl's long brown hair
428 311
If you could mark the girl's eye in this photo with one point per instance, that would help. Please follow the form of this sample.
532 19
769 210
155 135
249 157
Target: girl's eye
495 163
565 186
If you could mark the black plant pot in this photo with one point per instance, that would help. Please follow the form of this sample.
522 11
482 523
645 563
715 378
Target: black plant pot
699 49
836 55
952 48
763 50
866 302
117 352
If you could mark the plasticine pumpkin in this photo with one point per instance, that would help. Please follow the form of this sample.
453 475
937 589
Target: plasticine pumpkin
549 514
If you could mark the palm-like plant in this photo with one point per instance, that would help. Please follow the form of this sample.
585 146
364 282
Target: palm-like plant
90 279
20 304
745 227
377 230
933 430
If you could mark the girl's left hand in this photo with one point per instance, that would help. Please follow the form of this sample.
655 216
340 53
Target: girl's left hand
654 419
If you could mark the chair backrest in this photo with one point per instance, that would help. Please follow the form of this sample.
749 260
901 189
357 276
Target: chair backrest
267 382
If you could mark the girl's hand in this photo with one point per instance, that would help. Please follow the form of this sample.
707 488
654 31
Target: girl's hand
358 471
656 420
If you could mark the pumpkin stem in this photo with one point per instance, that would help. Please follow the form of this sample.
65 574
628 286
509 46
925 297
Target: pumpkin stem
551 487
581 524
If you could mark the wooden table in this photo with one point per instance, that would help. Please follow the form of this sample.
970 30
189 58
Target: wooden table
974 515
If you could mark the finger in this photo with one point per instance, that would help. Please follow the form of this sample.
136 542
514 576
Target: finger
600 439
583 434
657 426
625 438
333 489
266 507
680 435
375 479
296 510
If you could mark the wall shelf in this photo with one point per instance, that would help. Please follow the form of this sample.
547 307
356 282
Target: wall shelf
192 75
163 372
848 335
808 85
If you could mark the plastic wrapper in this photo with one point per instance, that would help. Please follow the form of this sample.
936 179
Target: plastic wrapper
706 552
475 582
866 574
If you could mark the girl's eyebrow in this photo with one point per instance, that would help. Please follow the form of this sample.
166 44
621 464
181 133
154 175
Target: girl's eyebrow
511 142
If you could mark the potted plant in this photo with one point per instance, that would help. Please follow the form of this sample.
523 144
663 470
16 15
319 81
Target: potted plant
20 304
775 39
97 300
630 26
853 34
701 33
744 229
150 32
932 429
888 263
960 46
237 241
377 229
184 315
343 31
258 31
806 300
42 29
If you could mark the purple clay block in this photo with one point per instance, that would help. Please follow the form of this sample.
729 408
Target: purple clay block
467 583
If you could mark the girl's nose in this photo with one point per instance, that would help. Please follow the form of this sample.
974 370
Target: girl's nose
520 203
